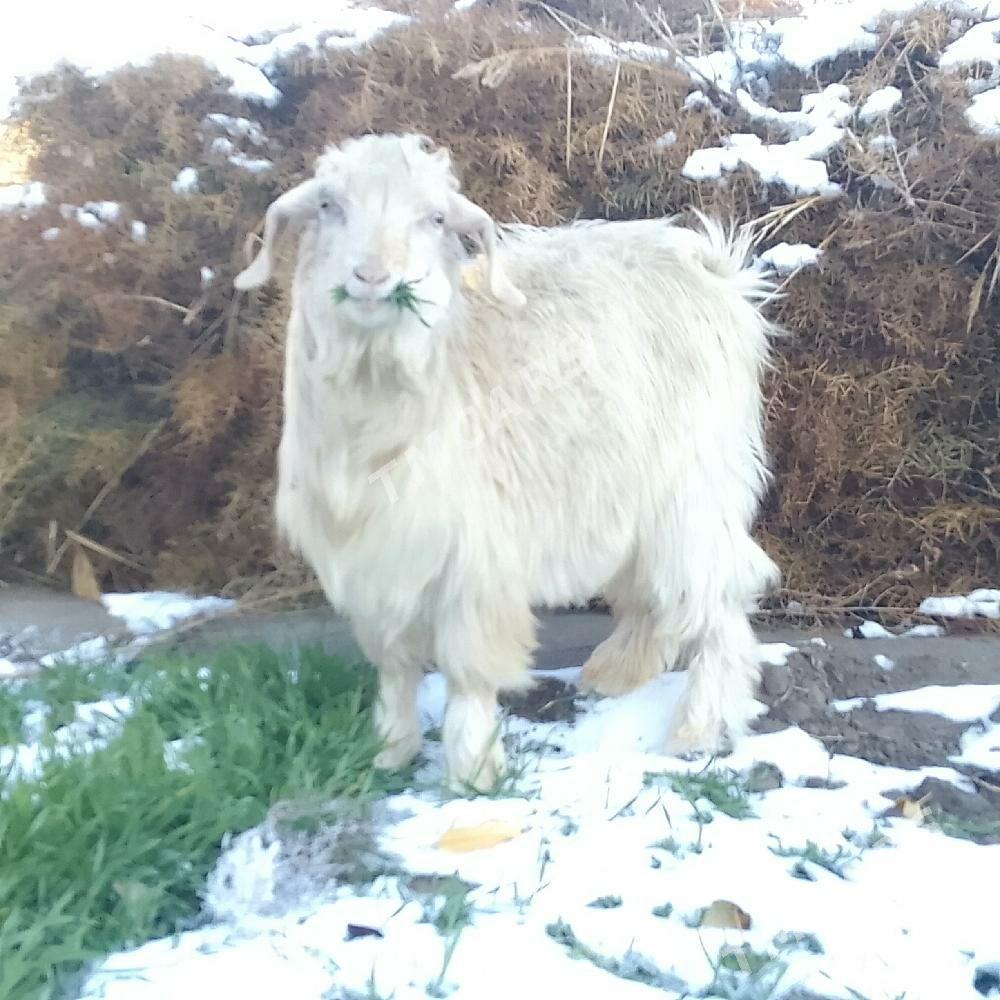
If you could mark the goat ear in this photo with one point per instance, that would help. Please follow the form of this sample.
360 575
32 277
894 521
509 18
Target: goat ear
293 206
468 218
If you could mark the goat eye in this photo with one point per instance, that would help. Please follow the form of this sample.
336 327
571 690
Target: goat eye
438 218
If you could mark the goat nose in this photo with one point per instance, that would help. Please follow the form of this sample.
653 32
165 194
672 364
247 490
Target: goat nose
371 271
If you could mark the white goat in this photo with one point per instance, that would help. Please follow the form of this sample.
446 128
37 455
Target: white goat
589 422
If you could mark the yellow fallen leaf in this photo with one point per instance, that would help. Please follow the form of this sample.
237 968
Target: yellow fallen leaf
723 913
911 808
460 839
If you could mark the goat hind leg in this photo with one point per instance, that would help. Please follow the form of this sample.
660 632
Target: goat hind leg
635 653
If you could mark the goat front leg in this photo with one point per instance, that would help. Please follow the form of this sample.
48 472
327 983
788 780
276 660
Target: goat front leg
396 720
474 754
482 648
400 670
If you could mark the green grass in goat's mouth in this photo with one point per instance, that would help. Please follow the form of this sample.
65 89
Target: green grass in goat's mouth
402 297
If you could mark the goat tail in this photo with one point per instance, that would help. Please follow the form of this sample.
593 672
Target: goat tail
726 253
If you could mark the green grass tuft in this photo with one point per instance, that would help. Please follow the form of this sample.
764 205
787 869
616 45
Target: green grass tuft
402 297
109 849
722 789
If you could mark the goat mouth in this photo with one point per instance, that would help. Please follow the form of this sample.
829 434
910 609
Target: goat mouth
401 295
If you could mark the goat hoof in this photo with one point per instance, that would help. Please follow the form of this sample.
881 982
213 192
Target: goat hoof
483 776
397 755
689 743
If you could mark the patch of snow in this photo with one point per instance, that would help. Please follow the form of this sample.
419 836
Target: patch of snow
980 747
849 704
797 165
983 114
186 181
243 879
666 140
92 650
818 640
774 654
148 612
93 725
139 231
882 143
52 233
881 103
106 211
868 630
87 220
980 44
831 106
207 276
255 165
823 33
603 50
239 128
787 258
883 662
752 51
22 197
979 604
924 632
959 703
697 101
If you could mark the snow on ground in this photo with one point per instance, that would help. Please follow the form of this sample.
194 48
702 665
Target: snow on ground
605 859
149 612
598 880
960 703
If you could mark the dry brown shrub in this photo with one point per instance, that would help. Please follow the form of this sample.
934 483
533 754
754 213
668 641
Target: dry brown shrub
883 410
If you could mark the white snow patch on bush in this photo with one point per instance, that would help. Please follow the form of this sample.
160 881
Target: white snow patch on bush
796 164
984 603
238 128
831 106
22 197
186 181
787 258
881 103
786 164
983 114
882 143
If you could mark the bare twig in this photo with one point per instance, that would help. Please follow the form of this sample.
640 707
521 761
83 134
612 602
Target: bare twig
607 120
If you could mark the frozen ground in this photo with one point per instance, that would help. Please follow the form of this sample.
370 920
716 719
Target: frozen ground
601 866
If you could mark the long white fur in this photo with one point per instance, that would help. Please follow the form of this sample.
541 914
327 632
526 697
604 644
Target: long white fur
604 438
